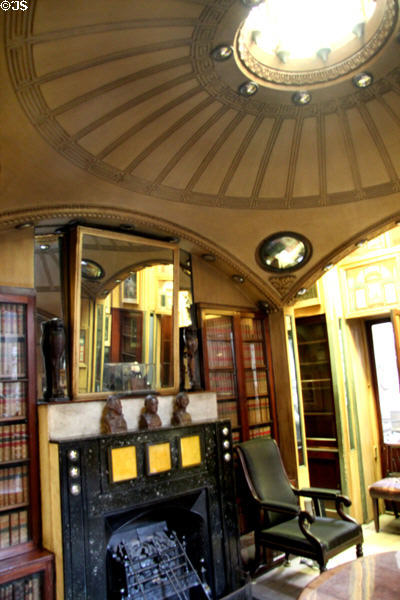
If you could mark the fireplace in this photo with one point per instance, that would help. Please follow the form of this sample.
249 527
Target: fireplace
149 515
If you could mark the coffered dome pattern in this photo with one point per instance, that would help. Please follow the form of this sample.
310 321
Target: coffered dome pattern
129 92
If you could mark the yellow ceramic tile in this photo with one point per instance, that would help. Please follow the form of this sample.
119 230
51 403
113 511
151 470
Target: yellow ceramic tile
159 458
190 451
123 463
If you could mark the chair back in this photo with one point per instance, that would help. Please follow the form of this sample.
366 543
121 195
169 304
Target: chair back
261 459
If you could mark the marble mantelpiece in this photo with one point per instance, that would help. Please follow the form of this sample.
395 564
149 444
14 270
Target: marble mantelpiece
68 420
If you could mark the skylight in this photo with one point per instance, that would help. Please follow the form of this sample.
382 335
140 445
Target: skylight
299 29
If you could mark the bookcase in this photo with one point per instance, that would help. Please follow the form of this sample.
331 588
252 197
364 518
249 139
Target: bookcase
236 366
318 401
25 571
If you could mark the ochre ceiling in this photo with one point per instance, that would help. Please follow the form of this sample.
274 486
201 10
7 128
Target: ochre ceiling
118 106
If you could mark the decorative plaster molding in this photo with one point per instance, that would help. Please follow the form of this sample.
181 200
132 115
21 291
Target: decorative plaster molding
328 72
282 283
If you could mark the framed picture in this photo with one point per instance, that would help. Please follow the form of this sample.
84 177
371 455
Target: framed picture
130 289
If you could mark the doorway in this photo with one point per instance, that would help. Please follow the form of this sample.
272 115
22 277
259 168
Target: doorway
318 401
385 375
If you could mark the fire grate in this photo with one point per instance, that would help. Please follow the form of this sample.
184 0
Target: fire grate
153 565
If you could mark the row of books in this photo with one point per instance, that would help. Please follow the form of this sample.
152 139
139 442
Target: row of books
251 328
13 442
228 410
219 354
263 431
219 328
13 528
14 486
23 589
258 410
12 358
256 383
13 399
253 355
12 319
222 382
236 437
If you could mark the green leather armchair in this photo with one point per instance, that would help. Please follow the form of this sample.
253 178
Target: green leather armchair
281 524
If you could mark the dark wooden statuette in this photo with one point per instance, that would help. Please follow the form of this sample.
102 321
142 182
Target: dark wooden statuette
149 418
53 348
180 416
113 420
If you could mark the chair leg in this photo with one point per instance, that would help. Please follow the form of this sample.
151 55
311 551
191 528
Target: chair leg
322 567
287 561
359 550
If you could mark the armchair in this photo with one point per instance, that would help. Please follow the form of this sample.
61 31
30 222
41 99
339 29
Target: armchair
281 524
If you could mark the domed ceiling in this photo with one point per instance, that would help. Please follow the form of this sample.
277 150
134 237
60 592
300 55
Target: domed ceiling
135 97
129 92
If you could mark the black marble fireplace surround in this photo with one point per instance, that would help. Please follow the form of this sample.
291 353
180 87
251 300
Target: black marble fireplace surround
197 502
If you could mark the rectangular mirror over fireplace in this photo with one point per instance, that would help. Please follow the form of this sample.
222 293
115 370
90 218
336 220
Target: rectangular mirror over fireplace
123 313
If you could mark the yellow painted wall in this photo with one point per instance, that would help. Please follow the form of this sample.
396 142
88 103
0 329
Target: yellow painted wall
212 286
17 258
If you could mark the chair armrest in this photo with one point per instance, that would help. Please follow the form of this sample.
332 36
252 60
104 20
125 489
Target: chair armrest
281 507
319 493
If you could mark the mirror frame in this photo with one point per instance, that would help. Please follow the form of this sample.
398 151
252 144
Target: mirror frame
74 304
273 238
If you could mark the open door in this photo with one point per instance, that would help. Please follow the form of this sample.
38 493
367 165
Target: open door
395 317
385 352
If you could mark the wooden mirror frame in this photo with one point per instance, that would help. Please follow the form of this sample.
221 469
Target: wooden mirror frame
72 277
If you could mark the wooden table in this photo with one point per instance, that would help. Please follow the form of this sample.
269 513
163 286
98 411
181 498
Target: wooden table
387 489
374 577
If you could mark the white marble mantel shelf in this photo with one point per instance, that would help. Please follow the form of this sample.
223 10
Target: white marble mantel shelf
80 419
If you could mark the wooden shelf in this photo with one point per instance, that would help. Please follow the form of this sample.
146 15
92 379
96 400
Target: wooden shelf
225 398
17 461
323 379
310 342
16 419
314 362
24 558
12 507
34 561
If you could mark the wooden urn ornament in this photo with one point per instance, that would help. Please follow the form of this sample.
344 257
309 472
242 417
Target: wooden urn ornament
53 348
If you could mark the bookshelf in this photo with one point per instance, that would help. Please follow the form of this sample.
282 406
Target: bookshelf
318 401
25 571
126 335
236 367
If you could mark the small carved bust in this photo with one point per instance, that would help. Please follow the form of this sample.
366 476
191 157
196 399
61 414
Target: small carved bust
180 416
113 420
149 418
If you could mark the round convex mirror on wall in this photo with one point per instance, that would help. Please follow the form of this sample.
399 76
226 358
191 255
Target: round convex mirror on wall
283 251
